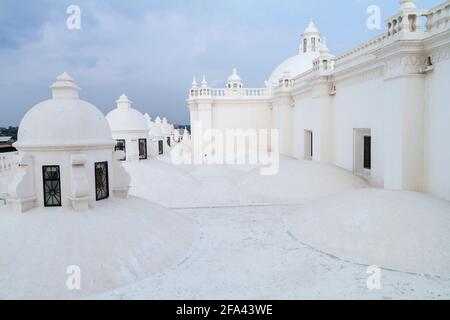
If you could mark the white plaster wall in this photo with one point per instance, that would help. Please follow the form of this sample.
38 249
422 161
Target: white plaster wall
132 143
283 121
241 115
358 104
62 158
404 106
306 116
437 131
314 111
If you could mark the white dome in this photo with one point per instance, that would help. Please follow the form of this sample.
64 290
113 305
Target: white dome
295 65
125 118
64 120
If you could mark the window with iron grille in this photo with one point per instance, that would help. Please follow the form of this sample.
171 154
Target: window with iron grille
52 186
101 181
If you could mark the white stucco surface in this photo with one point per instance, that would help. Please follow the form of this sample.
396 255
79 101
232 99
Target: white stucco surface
398 230
248 251
115 244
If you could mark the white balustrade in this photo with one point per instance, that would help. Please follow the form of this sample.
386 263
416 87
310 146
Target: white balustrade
8 161
416 21
227 93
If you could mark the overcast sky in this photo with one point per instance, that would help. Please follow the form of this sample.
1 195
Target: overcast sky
150 49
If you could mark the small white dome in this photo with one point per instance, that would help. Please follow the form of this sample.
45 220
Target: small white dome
64 120
125 118
295 66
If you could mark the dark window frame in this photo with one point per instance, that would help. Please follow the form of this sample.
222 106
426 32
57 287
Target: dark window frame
142 155
47 190
101 194
367 152
116 148
160 147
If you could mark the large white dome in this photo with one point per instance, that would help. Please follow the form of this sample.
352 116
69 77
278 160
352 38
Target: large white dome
309 51
64 120
295 66
125 118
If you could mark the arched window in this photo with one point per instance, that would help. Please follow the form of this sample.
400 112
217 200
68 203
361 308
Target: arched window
305 45
313 44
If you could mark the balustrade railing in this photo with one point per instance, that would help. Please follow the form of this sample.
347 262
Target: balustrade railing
419 22
219 93
8 161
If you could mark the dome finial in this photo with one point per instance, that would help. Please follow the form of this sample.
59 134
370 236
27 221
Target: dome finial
311 28
65 87
234 80
123 102
204 82
194 82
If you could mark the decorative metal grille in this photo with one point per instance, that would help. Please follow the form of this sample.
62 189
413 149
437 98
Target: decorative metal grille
101 181
52 186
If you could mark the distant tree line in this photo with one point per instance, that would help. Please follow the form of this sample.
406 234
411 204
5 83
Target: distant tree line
9 132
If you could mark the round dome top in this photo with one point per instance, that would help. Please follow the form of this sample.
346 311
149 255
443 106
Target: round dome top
64 121
125 118
295 66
